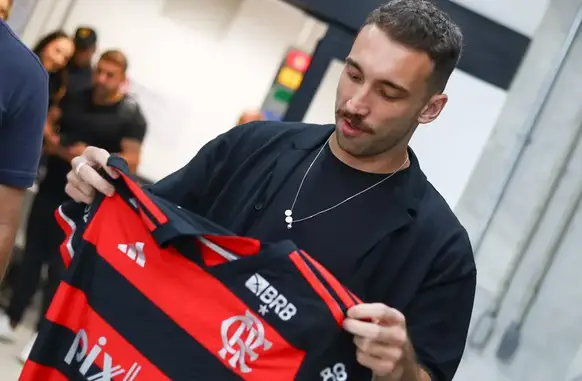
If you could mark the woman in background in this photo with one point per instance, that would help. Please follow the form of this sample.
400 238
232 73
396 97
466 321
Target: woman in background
54 52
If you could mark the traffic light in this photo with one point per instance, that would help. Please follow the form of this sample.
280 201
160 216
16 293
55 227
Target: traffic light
286 83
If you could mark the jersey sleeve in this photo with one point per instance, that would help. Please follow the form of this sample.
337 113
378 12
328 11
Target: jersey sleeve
438 317
73 218
22 125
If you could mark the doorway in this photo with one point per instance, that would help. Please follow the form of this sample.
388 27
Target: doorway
313 101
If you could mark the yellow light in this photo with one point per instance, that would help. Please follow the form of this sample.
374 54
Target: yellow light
290 78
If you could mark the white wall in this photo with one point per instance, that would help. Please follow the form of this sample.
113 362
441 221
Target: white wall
207 76
46 16
197 64
449 148
523 16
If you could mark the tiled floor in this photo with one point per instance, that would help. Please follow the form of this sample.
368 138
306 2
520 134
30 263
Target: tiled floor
10 366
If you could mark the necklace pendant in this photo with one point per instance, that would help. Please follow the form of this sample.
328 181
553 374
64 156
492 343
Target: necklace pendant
289 218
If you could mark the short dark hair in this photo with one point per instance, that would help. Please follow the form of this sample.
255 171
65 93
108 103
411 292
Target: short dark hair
421 25
116 57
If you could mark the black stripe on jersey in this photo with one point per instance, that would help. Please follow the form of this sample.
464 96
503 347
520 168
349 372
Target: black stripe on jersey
53 336
126 195
143 324
328 287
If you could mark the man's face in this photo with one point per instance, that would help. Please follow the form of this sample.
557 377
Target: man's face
108 78
5 6
382 95
84 56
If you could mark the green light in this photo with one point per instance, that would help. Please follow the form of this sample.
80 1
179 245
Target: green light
283 95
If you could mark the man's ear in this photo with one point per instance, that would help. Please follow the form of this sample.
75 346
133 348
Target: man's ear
433 108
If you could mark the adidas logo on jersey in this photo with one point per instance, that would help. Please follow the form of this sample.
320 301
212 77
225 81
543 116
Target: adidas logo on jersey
274 301
134 251
80 353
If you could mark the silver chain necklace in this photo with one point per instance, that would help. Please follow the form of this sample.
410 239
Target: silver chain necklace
289 212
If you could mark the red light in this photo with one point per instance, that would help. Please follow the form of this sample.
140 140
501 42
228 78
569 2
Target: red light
298 60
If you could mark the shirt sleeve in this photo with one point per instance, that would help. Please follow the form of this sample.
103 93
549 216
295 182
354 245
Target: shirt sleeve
438 317
137 127
21 129
188 186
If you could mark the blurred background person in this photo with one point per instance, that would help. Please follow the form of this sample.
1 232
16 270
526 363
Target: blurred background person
5 7
23 111
79 68
54 52
103 116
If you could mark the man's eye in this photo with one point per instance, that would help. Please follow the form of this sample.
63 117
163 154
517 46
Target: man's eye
388 97
354 77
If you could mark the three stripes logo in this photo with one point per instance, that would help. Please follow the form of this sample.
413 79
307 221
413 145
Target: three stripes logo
134 251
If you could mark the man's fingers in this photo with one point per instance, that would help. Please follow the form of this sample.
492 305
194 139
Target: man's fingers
97 158
90 176
83 187
393 335
77 195
378 313
379 367
375 349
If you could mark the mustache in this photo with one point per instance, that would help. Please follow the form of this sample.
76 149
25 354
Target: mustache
356 121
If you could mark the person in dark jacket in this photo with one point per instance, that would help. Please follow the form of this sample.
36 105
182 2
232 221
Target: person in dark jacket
80 66
352 195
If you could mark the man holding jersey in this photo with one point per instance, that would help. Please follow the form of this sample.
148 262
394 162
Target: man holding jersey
352 195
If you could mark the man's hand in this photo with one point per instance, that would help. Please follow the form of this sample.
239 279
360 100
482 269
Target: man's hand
51 144
382 342
83 179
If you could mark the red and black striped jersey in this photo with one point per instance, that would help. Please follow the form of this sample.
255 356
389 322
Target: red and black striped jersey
153 292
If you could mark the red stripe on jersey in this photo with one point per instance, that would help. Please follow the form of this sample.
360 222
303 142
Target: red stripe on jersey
71 310
209 256
68 227
214 253
242 246
144 199
333 306
168 280
35 372
339 289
